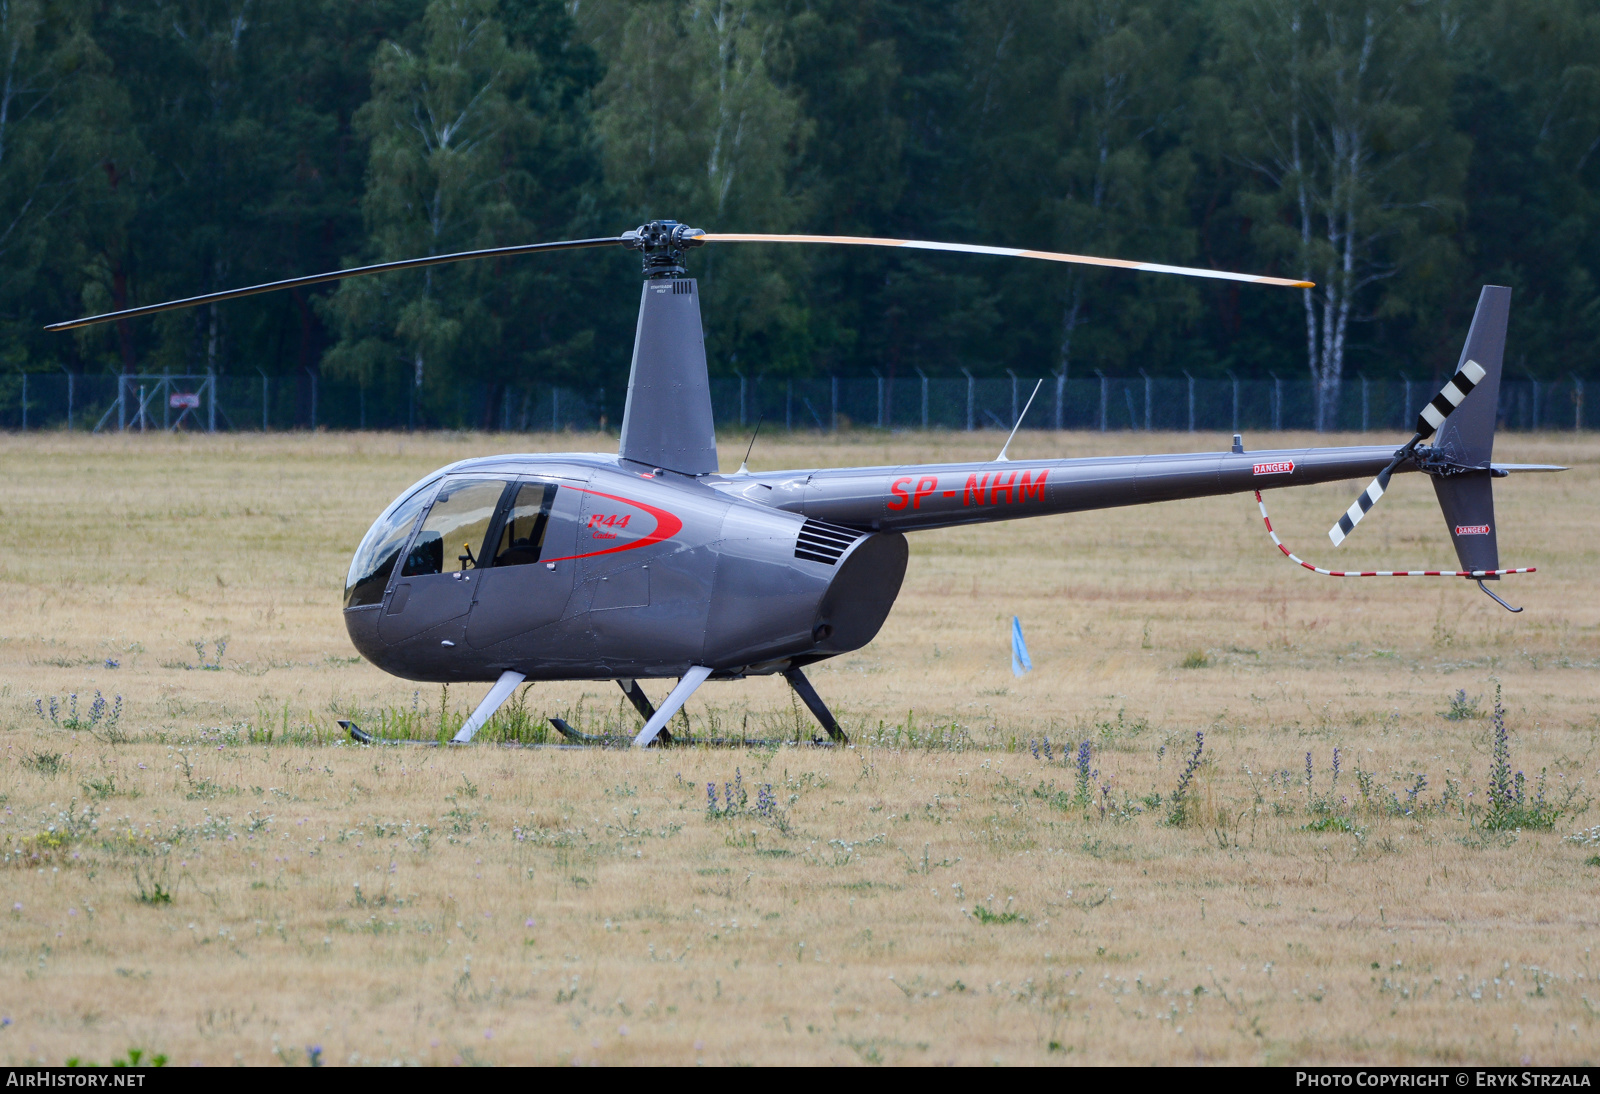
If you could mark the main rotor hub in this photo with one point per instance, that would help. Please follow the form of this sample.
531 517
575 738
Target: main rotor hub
663 243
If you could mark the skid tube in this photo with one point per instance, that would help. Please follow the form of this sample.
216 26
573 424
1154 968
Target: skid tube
579 740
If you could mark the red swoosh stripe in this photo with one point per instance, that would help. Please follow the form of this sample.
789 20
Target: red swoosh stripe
667 526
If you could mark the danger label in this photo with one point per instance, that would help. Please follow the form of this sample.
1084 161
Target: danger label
1279 467
1472 529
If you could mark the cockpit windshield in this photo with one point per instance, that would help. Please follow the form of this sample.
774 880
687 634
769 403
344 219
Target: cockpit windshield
454 532
380 548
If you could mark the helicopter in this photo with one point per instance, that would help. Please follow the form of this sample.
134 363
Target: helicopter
651 564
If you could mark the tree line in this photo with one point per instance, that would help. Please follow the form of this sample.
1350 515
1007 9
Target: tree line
1399 153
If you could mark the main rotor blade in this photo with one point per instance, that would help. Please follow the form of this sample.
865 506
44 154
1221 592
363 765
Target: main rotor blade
1005 252
335 275
1459 386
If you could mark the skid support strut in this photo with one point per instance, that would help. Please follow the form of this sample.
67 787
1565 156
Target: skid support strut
692 679
813 701
641 703
498 694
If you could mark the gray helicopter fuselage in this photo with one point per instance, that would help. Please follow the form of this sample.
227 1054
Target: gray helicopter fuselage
643 572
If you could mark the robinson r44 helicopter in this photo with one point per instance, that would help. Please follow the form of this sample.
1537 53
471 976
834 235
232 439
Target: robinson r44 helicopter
650 564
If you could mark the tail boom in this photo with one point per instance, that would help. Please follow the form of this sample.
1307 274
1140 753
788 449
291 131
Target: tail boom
916 497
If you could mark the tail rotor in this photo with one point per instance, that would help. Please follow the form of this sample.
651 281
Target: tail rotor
1451 396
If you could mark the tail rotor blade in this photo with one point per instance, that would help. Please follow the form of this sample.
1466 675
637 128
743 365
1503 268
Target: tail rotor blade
1360 507
1467 377
1451 396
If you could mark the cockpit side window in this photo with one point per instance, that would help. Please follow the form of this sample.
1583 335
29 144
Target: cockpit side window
453 532
521 539
380 549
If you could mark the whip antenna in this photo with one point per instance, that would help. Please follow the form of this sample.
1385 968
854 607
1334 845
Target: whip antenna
744 464
1018 426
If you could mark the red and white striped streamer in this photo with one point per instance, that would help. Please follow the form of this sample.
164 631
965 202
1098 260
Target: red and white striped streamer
1292 557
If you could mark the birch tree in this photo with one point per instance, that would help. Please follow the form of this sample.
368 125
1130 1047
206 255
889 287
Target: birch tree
1340 108
62 118
439 121
695 126
1094 91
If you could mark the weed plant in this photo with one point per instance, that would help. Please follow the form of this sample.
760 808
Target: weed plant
1462 707
1510 805
102 719
1180 807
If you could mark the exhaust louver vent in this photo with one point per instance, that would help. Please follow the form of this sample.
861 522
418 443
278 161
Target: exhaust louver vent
821 542
682 288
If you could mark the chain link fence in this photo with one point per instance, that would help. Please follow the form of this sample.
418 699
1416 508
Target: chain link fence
105 403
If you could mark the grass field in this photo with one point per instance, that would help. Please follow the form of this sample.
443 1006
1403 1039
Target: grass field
202 868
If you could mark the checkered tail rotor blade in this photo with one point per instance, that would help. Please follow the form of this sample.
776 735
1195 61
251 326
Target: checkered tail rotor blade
1433 415
1467 377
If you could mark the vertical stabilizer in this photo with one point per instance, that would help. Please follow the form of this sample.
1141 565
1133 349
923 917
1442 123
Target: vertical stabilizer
1467 438
667 422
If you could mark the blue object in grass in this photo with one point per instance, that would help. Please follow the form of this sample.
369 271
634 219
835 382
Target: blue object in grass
1020 662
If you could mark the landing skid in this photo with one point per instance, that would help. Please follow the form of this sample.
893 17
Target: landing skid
586 740
654 733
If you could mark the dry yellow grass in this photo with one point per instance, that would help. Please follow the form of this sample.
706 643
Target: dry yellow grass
551 906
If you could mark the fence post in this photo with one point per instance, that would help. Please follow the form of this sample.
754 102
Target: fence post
141 408
70 379
1061 385
1277 402
1535 405
742 415
122 405
1013 376
1577 404
1105 396
1146 376
788 404
263 399
555 409
313 376
1366 404
1405 415
833 398
1235 380
924 377
880 397
24 402
164 388
971 397
1191 399
211 401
